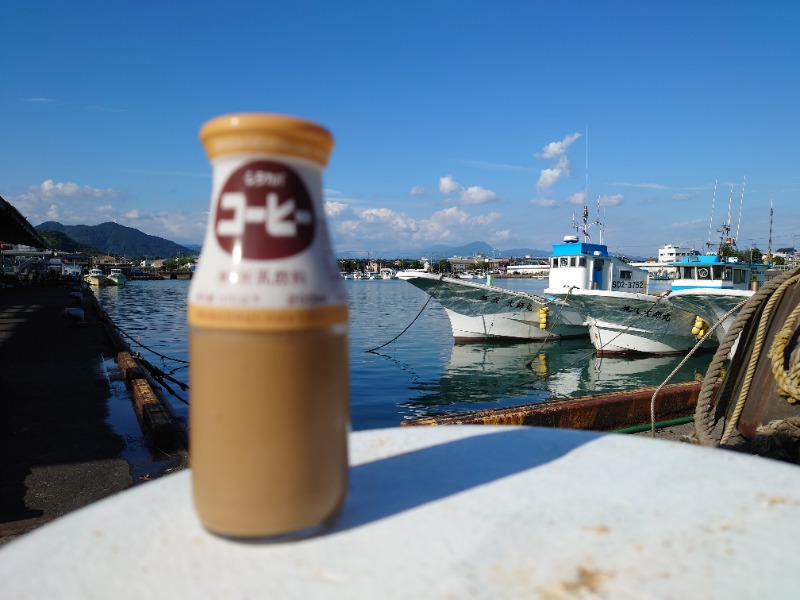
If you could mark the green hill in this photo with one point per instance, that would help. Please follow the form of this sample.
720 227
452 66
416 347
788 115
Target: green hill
112 238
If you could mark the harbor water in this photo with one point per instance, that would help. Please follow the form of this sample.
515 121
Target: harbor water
421 372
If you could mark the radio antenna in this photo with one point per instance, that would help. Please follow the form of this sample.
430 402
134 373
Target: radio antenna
741 203
711 220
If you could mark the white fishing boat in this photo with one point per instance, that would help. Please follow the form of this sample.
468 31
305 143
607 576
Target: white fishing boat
387 273
486 312
631 322
711 286
703 290
117 277
96 277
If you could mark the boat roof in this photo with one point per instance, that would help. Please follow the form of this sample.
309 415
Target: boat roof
710 259
573 248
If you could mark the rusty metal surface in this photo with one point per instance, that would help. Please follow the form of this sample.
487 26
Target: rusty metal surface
601 412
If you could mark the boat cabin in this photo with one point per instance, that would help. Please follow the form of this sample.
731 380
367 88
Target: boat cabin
721 272
589 266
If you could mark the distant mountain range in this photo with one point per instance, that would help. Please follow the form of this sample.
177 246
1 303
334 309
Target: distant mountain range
110 238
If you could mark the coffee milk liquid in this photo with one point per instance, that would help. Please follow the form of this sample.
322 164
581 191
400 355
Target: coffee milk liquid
269 386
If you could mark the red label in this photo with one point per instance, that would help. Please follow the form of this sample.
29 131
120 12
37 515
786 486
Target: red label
265 209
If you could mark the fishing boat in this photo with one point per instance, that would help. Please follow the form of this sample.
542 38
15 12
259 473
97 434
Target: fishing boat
703 290
712 286
96 277
117 277
480 312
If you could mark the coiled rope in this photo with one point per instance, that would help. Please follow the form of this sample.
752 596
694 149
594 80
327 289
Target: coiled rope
705 410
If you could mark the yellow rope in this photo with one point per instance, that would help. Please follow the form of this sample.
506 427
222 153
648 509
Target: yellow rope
754 356
788 380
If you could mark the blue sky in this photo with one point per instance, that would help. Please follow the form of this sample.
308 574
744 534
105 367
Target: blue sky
454 121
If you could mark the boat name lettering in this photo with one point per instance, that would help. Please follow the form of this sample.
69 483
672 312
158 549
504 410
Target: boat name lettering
627 284
655 314
258 178
520 304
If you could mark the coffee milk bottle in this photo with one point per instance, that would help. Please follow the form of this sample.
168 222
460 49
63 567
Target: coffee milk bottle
269 387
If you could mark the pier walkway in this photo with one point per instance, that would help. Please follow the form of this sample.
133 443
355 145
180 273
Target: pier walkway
59 448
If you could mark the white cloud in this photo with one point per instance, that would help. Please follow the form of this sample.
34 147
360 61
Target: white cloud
50 189
501 236
560 165
558 150
472 195
72 204
614 200
545 202
578 198
396 221
334 209
477 195
417 190
447 185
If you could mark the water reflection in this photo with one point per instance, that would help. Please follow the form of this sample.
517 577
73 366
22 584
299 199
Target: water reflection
481 376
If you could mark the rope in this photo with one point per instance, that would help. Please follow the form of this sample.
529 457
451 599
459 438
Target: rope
761 333
704 411
787 379
414 320
684 361
140 344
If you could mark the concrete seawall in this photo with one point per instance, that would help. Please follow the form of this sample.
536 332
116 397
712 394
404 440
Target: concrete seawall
59 368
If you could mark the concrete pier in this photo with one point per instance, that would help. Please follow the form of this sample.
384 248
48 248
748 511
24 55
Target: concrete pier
58 449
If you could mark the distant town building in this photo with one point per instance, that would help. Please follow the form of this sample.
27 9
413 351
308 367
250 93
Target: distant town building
669 253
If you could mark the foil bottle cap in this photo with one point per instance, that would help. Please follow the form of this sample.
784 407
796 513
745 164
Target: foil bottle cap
266 133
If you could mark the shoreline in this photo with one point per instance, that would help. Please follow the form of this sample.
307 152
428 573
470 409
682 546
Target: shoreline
61 445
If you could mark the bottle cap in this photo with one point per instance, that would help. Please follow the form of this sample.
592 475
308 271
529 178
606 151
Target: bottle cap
266 133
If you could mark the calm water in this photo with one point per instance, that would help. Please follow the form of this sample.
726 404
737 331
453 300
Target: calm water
422 372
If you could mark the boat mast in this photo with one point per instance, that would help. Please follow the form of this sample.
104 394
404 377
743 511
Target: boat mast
741 203
769 243
711 220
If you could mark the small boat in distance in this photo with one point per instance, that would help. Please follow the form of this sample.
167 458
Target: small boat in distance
96 277
117 277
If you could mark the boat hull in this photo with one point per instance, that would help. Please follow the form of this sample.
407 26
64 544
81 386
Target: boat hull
480 312
634 323
97 281
710 304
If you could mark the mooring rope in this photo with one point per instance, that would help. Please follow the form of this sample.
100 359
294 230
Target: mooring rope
704 411
141 345
788 379
414 320
699 343
761 333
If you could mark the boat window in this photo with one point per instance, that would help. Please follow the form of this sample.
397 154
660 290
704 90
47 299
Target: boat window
703 273
626 274
717 270
572 261
598 264
728 274
564 262
688 273
554 263
739 276
582 261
